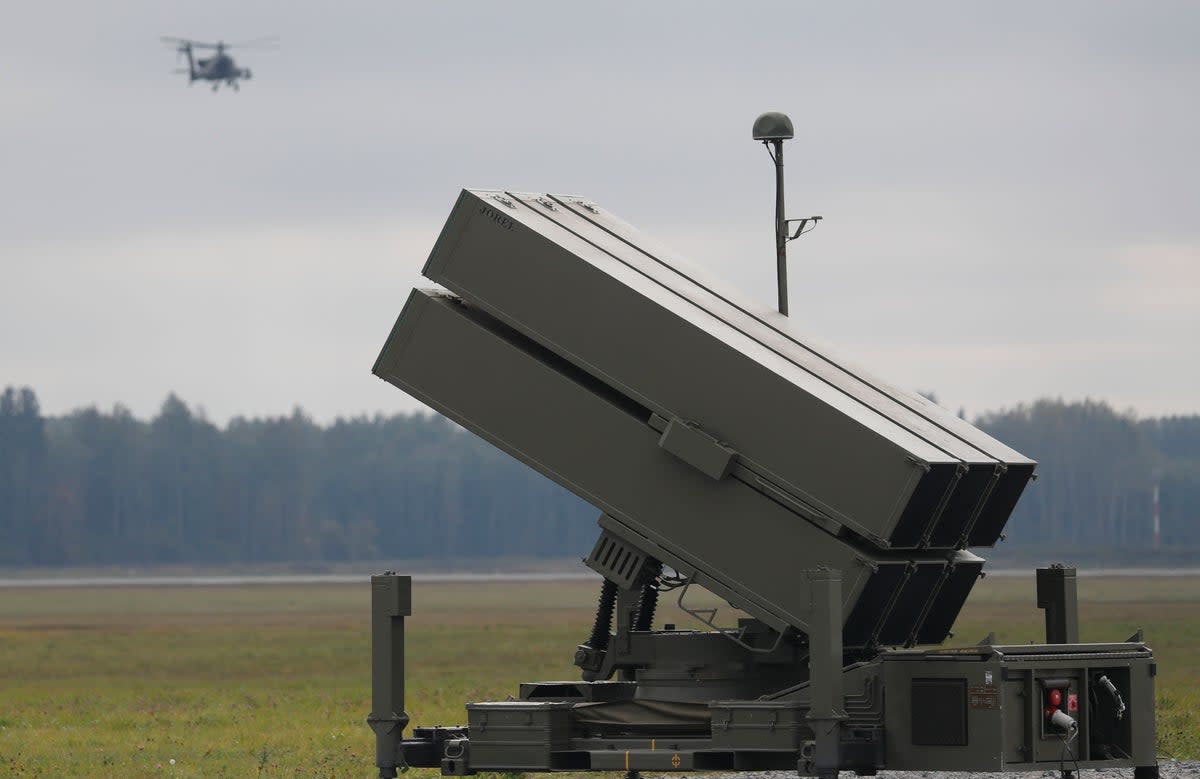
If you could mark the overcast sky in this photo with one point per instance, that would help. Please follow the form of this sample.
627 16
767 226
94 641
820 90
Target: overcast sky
1011 191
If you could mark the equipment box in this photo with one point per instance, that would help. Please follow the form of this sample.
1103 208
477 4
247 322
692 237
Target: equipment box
517 735
768 726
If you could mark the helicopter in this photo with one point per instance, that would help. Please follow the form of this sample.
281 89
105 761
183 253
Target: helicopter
220 67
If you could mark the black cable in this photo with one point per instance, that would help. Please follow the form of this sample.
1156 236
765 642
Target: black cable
1066 750
665 582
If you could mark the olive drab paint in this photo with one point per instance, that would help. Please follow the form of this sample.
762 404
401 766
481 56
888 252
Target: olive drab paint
726 451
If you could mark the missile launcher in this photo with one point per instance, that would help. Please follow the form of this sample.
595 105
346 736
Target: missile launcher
724 450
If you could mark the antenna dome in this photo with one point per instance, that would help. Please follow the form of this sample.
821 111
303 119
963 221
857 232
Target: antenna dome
773 126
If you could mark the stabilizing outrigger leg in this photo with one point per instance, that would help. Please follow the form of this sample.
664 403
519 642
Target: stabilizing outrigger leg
823 758
391 602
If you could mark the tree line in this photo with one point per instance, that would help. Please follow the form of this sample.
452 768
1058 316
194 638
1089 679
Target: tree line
1097 473
97 487
103 487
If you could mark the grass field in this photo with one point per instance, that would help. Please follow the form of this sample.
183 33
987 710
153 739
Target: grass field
269 681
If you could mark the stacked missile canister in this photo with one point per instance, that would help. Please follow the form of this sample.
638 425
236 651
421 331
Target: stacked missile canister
691 417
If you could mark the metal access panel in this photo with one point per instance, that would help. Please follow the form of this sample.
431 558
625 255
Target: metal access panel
983 708
601 446
518 735
846 449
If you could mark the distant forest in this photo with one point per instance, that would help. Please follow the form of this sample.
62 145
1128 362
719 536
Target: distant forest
105 488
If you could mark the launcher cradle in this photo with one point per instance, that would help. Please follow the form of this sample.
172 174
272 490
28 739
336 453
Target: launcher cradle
726 452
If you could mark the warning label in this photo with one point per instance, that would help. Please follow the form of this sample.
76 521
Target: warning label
983 696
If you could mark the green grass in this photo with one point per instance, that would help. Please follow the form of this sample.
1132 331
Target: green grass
273 681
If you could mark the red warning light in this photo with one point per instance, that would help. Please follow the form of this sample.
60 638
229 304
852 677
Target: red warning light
1055 698
1072 702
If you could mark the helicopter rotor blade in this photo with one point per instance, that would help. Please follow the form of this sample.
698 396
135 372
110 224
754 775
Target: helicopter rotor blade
265 42
181 44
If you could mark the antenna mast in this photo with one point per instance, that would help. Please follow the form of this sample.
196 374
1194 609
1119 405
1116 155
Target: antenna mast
773 128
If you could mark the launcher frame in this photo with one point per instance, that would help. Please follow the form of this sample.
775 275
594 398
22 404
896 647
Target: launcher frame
727 451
